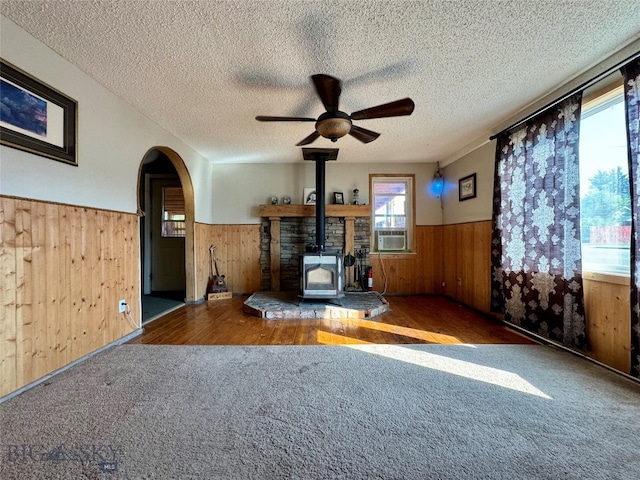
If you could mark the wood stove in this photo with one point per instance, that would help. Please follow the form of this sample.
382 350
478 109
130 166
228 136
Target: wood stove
321 276
321 273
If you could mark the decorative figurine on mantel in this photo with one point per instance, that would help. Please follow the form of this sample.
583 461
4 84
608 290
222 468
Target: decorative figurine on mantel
274 200
286 200
356 199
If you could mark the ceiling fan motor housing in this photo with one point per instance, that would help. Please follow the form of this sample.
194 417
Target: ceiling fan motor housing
333 125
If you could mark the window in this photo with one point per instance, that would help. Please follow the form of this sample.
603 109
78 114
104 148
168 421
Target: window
605 203
173 215
392 211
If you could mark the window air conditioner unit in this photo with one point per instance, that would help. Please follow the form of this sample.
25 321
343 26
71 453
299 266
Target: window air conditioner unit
392 240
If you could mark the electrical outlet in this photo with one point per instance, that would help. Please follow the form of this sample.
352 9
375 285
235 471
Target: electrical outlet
122 306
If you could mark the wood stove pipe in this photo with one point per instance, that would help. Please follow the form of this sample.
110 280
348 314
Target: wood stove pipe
320 156
320 180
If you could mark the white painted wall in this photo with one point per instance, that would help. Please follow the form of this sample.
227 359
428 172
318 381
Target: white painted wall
481 162
238 190
112 140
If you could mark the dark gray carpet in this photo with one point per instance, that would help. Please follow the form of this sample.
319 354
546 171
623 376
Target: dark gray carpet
156 305
387 412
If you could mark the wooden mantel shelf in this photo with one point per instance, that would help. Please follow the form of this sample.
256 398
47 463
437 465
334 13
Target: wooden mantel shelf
271 211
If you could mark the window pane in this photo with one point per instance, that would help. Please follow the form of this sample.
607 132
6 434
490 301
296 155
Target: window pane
173 215
392 201
173 229
390 221
389 188
385 205
382 222
398 222
605 204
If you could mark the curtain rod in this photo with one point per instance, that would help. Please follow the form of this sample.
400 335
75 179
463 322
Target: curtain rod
573 91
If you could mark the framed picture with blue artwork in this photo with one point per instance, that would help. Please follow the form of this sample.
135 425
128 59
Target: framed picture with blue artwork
35 117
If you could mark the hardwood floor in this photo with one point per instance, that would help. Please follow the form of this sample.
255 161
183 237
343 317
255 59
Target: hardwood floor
413 319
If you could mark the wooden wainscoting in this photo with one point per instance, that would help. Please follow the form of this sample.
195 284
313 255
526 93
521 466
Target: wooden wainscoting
238 256
63 268
608 312
237 253
467 256
467 263
416 273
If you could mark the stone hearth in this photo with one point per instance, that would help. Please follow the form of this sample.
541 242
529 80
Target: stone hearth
275 305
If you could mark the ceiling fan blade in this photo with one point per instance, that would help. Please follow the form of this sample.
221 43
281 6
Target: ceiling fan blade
328 89
362 134
265 118
392 109
310 139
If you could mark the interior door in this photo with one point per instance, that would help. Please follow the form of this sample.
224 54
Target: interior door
167 253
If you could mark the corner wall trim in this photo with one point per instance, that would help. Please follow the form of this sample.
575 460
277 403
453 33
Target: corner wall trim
35 383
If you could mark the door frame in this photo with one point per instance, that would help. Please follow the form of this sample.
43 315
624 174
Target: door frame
189 210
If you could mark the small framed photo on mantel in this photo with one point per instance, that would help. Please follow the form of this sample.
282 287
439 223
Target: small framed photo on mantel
467 187
309 196
338 198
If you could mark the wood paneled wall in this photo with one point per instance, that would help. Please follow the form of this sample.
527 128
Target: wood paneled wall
237 253
412 274
63 269
467 263
467 257
608 313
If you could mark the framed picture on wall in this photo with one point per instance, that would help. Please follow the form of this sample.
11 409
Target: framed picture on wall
467 187
36 118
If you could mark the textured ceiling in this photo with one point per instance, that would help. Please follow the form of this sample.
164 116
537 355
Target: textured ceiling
204 69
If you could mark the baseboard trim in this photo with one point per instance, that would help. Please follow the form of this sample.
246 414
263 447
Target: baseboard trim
559 346
35 383
548 342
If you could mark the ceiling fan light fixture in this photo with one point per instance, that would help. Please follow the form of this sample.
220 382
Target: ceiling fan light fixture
333 126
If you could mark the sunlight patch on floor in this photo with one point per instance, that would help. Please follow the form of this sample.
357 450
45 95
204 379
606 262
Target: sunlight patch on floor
462 368
328 338
425 335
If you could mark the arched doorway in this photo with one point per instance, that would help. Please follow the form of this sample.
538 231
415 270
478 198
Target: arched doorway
166 201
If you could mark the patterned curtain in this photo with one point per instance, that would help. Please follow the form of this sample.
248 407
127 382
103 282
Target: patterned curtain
536 260
631 74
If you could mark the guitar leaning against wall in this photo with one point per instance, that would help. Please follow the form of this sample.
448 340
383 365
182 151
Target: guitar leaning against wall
217 282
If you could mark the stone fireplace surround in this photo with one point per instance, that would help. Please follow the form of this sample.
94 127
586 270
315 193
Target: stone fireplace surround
288 229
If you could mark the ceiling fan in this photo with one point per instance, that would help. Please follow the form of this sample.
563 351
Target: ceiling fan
334 124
